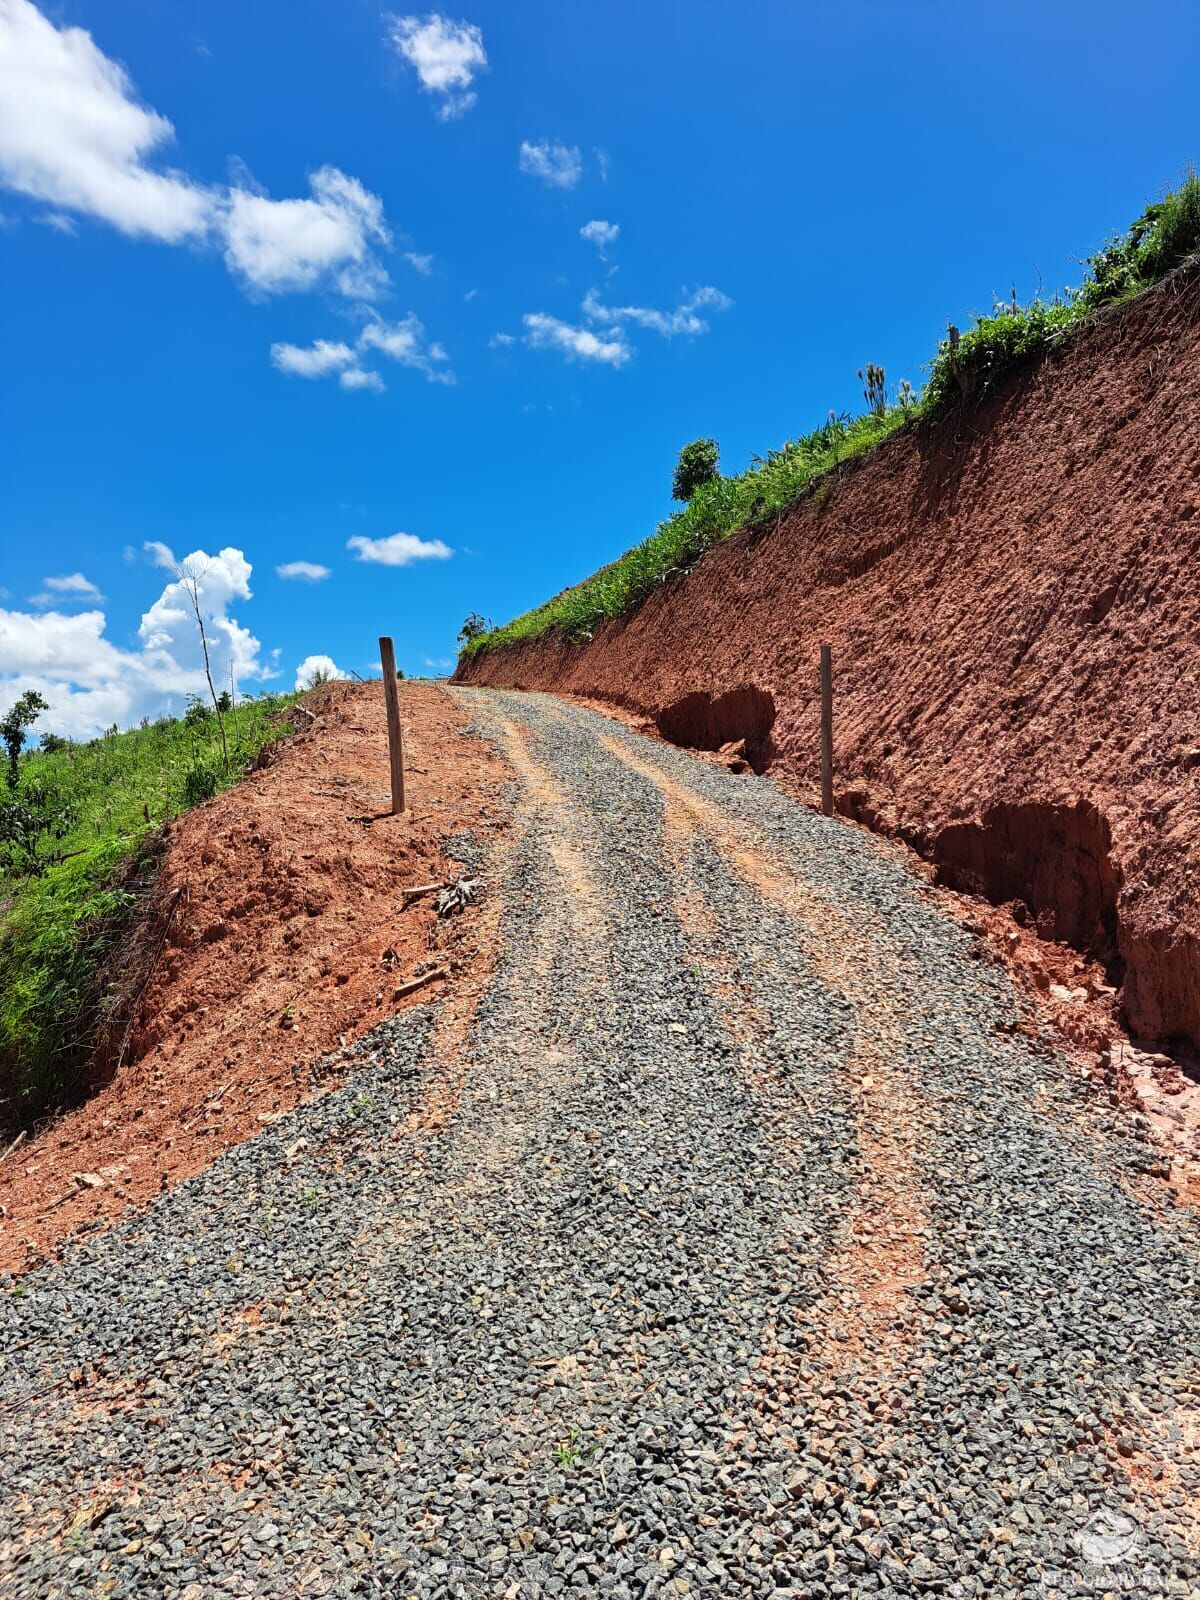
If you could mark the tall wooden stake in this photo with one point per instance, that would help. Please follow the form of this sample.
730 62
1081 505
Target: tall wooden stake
387 657
826 730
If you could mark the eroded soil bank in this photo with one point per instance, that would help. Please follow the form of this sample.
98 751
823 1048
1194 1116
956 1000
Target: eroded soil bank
286 936
1013 604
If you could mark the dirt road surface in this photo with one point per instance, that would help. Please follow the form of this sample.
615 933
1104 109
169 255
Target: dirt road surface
747 1238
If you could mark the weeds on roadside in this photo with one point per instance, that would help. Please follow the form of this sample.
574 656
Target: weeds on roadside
570 1451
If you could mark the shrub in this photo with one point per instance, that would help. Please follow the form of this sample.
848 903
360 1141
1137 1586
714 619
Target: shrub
199 783
474 627
697 465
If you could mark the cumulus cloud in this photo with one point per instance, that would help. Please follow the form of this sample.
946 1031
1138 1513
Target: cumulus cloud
398 549
277 245
306 571
601 234
684 319
403 342
74 134
90 683
322 667
445 56
558 165
59 591
549 333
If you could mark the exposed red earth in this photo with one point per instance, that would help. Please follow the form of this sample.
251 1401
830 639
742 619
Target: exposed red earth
1013 602
289 938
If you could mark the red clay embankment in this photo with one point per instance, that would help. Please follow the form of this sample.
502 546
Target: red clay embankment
1013 601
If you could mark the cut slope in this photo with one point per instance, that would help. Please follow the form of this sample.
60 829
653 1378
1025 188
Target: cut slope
280 935
1013 601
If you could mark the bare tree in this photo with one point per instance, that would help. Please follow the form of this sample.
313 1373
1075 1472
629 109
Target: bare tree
189 577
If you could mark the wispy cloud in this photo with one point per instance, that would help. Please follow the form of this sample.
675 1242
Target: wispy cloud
558 165
316 360
601 234
403 342
398 549
685 318
305 571
73 588
549 333
445 55
363 379
419 263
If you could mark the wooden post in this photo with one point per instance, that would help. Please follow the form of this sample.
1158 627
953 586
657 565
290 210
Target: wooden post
826 730
387 657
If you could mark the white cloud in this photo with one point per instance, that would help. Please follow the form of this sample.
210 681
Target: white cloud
311 361
398 549
498 341
419 263
601 234
72 133
59 221
74 586
90 682
307 571
446 56
161 555
404 342
548 333
325 665
278 245
684 319
360 378
559 165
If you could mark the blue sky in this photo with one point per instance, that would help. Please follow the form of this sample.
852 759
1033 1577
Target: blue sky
285 281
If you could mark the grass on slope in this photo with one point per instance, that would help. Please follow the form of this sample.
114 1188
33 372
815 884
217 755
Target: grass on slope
67 891
963 368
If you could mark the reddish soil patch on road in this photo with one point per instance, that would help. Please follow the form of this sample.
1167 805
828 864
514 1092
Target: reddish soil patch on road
1013 601
289 939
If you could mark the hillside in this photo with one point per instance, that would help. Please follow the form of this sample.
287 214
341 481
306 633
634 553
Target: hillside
1012 598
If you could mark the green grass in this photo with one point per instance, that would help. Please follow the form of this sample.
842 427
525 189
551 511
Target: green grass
65 914
983 358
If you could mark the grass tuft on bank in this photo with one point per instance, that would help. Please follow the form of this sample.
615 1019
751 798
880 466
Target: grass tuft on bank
965 368
78 851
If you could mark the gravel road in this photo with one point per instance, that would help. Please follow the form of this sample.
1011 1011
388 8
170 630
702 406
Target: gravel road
749 1240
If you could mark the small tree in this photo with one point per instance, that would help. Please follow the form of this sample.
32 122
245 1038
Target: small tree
474 628
697 464
23 714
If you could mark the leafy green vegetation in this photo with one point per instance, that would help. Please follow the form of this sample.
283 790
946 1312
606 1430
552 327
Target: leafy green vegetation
78 833
697 464
965 367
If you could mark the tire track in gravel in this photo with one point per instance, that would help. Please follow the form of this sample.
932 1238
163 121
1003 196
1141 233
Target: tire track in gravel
543 1301
877 1253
